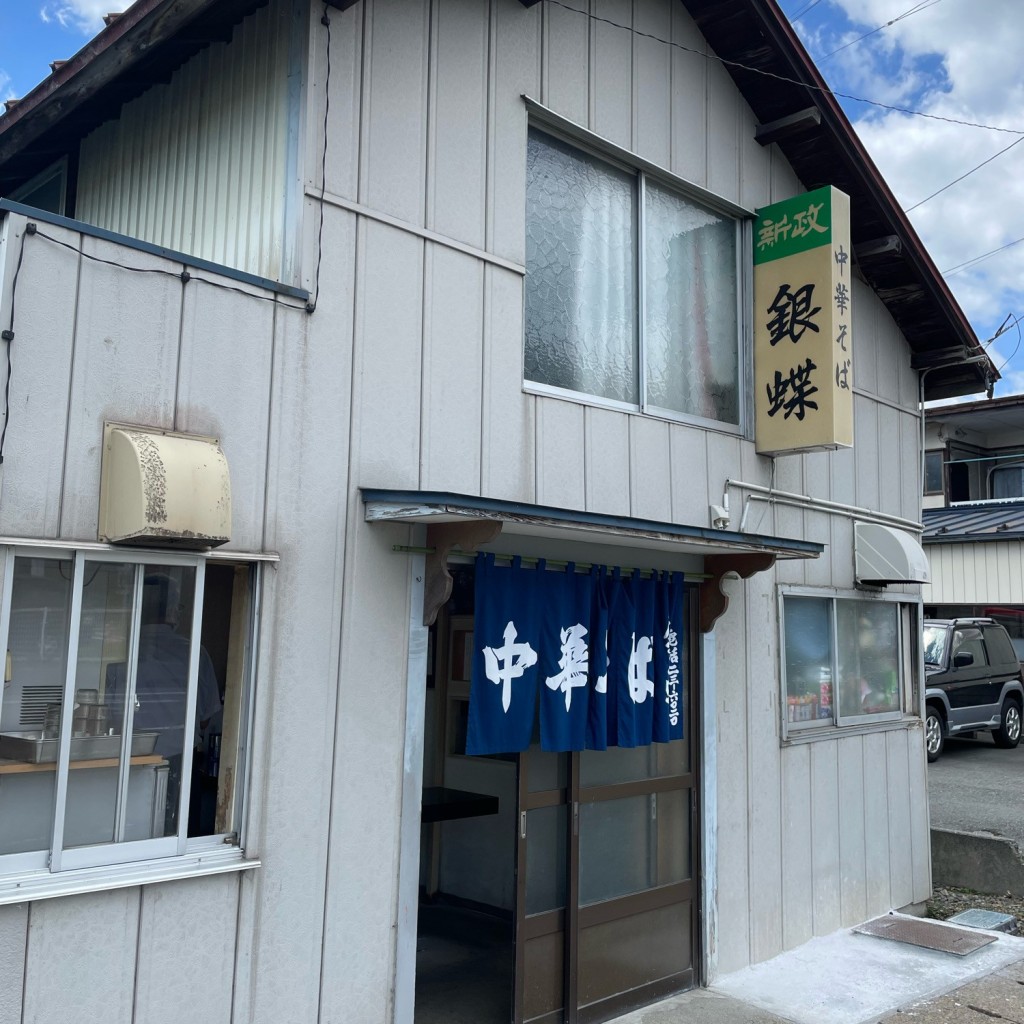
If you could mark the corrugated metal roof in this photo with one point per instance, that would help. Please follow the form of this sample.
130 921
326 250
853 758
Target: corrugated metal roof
979 521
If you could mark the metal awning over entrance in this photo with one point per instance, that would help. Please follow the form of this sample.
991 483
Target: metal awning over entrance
464 522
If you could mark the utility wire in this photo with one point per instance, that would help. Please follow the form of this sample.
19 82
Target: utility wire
799 14
923 6
983 256
965 175
783 78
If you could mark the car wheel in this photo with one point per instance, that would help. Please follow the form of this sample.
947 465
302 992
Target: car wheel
934 733
1008 733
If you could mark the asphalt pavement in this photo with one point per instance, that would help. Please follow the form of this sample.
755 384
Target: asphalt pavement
976 786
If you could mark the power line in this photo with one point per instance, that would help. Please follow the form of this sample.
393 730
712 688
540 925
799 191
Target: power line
799 14
783 78
922 6
983 256
965 175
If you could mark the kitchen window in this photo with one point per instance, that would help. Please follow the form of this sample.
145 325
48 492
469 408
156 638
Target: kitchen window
124 725
632 289
846 661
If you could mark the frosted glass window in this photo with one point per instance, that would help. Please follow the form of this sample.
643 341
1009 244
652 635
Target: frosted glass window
590 327
581 305
691 322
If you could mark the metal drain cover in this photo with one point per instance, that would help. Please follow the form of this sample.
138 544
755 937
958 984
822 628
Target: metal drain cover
929 934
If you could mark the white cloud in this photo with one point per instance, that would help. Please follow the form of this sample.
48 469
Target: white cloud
84 16
5 86
956 60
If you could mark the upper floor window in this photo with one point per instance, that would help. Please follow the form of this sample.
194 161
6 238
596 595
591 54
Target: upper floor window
632 289
1007 481
933 472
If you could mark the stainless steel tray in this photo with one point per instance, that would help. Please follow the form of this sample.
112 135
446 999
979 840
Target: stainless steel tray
33 748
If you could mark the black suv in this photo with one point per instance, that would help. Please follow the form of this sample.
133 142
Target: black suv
973 682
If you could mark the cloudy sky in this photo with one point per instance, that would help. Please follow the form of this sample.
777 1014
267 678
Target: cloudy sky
954 59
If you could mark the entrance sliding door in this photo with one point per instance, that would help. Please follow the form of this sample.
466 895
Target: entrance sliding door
606 895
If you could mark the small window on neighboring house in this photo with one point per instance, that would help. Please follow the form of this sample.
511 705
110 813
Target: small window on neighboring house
933 473
124 720
632 288
46 191
846 661
1007 481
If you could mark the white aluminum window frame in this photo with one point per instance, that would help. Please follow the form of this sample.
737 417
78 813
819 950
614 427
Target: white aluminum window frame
641 173
909 662
34 869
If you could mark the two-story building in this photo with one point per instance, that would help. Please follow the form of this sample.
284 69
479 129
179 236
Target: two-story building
307 306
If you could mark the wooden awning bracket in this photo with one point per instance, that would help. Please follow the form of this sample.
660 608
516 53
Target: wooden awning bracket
443 537
713 600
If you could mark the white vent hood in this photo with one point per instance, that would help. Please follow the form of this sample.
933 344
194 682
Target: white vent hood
887 555
163 489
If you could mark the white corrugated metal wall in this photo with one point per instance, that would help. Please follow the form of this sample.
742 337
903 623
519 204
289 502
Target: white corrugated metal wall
984 573
201 164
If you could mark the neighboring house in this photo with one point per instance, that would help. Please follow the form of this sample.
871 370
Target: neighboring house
974 511
313 303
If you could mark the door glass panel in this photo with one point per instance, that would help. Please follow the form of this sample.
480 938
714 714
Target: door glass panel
634 764
545 858
633 844
30 712
546 770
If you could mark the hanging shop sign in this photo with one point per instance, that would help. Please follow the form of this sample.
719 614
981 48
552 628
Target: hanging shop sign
802 324
598 656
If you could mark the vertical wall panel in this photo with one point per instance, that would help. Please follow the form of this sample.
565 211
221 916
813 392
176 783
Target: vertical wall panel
508 452
764 797
13 929
227 336
652 81
566 60
514 72
41 354
920 832
797 868
215 135
456 176
389 342
607 454
611 72
394 114
877 839
852 858
560 437
359 911
723 119
186 949
691 486
650 480
279 955
452 343
689 99
901 865
342 164
825 853
92 940
123 370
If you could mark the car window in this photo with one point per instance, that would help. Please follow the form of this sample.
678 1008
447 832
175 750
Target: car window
1000 650
934 644
969 641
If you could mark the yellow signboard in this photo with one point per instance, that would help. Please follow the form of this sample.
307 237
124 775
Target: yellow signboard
803 345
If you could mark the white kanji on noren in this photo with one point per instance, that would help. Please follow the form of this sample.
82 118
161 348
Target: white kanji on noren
573 663
640 656
503 664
